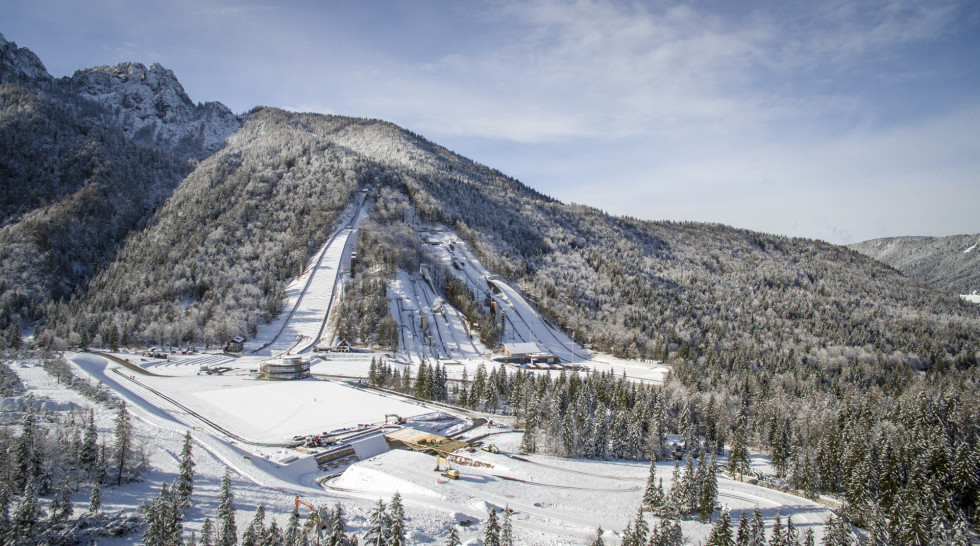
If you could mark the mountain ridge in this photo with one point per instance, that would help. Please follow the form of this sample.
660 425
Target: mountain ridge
949 264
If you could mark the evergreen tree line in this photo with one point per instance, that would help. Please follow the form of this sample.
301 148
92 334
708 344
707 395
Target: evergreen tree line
55 460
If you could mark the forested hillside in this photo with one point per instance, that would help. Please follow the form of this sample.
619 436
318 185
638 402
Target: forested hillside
858 380
214 259
948 264
85 161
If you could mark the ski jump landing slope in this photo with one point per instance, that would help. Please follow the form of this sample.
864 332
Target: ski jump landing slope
310 297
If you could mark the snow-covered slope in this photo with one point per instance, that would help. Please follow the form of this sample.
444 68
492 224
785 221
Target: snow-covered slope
948 264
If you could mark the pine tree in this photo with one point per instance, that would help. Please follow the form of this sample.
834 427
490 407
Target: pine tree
207 533
653 496
776 538
89 451
396 520
338 527
491 534
378 533
721 532
528 444
640 527
597 541
709 490
185 483
4 512
26 516
123 447
95 498
227 530
65 507
792 533
256 529
742 537
839 532
291 536
191 540
272 535
453 539
757 529
738 461
506 529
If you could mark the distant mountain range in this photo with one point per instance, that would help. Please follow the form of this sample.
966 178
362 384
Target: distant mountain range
948 264
133 215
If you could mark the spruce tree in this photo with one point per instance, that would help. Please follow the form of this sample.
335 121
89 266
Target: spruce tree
95 498
838 532
709 489
207 532
738 461
396 521
597 541
653 495
453 538
721 532
338 528
227 530
640 527
291 535
256 529
506 529
185 482
757 529
776 537
123 446
4 512
742 536
377 534
273 534
65 507
26 516
89 451
491 533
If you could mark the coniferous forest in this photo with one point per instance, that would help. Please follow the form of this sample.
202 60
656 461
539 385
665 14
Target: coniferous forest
859 382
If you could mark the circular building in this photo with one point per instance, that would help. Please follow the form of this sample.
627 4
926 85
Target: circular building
285 368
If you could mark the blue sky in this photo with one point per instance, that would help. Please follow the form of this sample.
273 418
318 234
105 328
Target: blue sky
837 120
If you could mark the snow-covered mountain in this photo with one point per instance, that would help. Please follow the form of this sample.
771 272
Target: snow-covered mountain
148 105
151 106
948 264
20 66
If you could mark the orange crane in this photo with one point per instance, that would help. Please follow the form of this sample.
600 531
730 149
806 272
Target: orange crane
316 513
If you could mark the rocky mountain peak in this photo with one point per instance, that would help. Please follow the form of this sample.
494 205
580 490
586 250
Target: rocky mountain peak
20 66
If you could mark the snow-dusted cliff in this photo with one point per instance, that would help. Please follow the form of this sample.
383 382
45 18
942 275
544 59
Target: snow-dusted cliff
148 105
20 66
151 106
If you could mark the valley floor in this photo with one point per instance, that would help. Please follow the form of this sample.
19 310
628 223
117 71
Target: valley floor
245 424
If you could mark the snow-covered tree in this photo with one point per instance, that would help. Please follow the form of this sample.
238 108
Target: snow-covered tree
227 533
122 450
185 481
491 533
721 532
506 529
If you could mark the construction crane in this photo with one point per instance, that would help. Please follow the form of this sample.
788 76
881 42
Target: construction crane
450 472
315 513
